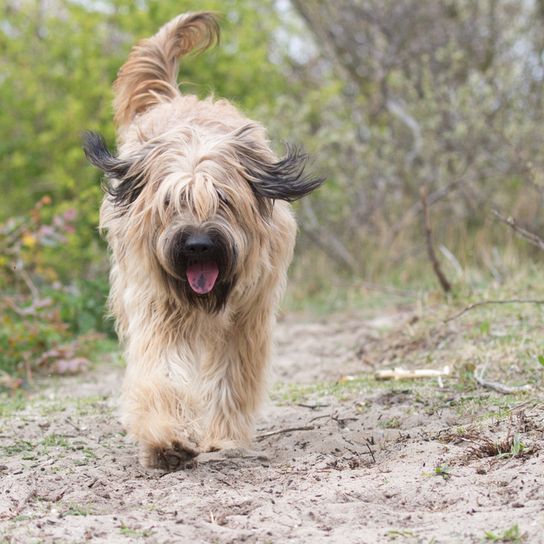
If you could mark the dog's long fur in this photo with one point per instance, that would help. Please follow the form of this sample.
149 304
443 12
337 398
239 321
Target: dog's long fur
196 363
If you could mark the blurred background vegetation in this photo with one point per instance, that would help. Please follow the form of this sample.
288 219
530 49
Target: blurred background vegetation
387 96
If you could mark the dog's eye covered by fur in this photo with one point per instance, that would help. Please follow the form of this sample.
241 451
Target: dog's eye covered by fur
128 182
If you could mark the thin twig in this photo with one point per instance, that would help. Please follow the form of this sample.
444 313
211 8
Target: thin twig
370 451
69 420
320 417
496 386
367 444
313 406
433 198
444 283
531 237
29 283
287 430
485 302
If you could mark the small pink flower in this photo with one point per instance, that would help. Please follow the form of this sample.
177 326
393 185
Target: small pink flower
70 214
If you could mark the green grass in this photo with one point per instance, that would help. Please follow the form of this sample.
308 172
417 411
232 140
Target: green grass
77 510
483 406
391 423
55 441
512 535
394 534
19 446
29 450
93 404
284 393
134 533
444 471
12 402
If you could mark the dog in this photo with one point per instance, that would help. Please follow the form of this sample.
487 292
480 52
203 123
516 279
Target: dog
197 217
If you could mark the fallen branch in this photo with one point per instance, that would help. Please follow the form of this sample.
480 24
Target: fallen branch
313 406
531 237
496 386
368 443
370 451
485 302
444 283
403 374
287 430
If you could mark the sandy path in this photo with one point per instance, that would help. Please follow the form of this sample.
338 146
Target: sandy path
364 474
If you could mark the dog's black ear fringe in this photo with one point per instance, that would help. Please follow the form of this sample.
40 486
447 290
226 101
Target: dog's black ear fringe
127 190
98 155
282 180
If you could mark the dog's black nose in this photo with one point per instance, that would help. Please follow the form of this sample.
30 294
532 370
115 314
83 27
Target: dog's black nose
198 245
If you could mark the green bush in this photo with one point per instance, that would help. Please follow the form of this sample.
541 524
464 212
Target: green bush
57 70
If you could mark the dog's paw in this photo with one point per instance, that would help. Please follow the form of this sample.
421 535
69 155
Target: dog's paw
174 457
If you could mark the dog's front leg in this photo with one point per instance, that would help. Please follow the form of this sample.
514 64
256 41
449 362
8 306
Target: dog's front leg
158 411
234 379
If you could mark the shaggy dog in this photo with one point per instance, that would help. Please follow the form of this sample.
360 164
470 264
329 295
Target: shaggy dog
197 217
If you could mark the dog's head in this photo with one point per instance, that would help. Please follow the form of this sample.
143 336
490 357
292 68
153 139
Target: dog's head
198 204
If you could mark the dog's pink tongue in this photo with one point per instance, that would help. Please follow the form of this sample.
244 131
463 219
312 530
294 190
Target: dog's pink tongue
202 276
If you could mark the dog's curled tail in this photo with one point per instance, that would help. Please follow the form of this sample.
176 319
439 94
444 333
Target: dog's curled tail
150 73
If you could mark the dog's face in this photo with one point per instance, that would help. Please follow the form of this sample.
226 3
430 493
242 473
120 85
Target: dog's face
200 206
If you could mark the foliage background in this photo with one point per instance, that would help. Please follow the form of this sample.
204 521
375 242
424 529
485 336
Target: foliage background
387 96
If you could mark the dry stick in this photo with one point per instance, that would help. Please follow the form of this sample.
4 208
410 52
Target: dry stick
313 406
287 430
370 451
496 386
29 283
403 374
531 237
444 283
485 302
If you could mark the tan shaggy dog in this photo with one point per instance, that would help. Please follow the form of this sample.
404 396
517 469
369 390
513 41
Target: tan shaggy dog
201 235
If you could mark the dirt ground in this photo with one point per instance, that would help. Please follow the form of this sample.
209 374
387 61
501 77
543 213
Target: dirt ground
368 461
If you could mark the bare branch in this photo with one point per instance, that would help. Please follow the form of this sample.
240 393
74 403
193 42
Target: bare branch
486 302
395 109
496 386
432 199
444 283
522 232
287 430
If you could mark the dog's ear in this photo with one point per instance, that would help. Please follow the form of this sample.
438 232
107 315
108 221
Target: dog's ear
129 183
285 179
98 155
